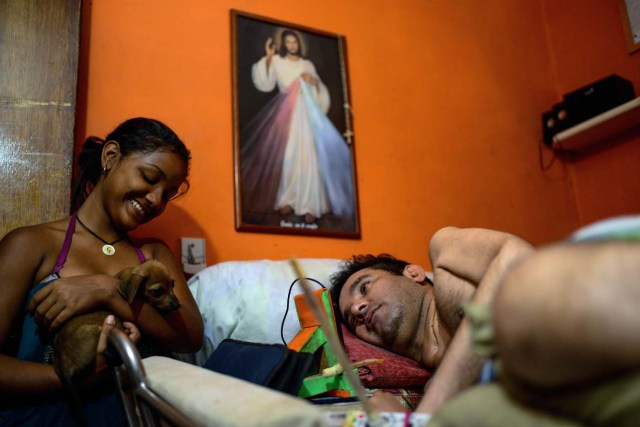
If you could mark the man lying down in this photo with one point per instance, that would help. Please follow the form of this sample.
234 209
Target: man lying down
561 322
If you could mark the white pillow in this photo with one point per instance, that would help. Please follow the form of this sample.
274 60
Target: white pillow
247 300
624 226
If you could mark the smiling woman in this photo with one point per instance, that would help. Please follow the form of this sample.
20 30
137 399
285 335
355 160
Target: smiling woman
139 137
54 271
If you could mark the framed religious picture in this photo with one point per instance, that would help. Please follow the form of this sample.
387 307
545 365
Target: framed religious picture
293 142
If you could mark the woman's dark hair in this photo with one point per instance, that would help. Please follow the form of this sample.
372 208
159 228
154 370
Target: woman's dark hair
135 136
283 47
356 263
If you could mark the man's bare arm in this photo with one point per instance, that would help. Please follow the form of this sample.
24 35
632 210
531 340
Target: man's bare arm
468 253
476 258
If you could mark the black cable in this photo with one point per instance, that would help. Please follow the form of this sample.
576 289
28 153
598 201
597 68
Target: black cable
288 299
541 147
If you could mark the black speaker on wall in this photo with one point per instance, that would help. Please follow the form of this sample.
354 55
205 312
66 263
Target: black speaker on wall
598 97
555 120
584 103
548 127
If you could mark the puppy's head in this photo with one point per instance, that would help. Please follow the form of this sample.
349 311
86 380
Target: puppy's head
154 283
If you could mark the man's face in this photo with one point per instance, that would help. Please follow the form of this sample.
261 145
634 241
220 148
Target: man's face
382 308
291 44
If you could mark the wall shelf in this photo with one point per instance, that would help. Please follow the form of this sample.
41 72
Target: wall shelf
600 128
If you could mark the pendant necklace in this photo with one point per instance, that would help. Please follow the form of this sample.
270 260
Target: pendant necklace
107 248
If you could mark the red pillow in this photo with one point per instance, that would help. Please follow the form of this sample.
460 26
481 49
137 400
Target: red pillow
395 371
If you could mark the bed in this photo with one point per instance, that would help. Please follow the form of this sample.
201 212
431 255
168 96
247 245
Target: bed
247 300
253 301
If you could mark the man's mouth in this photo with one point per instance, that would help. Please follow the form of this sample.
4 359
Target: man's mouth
368 320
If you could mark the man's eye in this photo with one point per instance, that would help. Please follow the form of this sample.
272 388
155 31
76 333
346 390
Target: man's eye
363 287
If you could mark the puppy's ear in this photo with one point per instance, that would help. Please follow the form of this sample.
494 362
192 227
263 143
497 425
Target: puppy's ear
129 283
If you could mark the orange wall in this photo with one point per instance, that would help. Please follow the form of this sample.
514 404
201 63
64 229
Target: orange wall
606 182
447 99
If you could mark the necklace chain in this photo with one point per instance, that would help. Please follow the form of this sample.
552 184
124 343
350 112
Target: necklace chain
96 236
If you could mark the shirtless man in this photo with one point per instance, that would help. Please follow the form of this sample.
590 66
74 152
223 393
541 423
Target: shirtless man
395 305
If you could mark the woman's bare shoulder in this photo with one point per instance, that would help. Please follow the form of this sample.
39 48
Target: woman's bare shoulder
35 240
27 255
43 230
152 247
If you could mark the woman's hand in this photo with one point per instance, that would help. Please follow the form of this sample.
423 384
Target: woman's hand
109 323
101 363
66 297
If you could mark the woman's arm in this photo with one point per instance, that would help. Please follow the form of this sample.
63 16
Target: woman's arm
179 331
28 378
186 324
21 254
25 257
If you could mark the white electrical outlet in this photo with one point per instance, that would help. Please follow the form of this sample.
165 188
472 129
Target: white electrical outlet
193 254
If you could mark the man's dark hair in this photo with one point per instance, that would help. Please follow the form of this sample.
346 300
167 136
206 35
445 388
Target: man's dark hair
356 263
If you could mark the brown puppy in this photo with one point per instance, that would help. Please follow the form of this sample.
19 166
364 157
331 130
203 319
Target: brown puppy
75 344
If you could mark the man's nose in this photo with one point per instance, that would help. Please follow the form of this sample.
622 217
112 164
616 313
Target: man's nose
358 308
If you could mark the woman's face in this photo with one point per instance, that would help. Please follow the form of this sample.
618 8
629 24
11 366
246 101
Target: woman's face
291 44
139 186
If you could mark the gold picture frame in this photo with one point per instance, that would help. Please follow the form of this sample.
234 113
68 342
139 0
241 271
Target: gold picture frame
294 165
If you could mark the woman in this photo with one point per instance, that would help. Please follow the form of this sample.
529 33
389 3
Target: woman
53 271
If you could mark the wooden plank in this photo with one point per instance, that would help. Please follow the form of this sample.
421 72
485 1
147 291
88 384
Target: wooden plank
39 45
